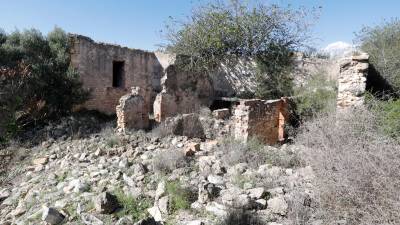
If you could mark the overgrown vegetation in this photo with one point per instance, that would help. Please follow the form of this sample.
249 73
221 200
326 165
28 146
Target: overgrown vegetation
317 96
382 43
236 151
356 166
229 32
131 206
179 197
388 115
36 81
167 161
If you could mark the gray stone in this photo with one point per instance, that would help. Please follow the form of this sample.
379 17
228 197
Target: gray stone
257 193
90 219
52 216
278 205
155 213
106 203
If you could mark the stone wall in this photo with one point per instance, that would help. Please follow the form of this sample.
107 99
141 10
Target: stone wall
132 111
262 119
352 81
94 62
182 93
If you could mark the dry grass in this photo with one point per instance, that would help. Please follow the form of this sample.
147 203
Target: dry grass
167 161
357 168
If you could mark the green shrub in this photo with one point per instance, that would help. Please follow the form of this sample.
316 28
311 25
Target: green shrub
241 217
36 81
135 207
388 114
318 95
179 197
382 43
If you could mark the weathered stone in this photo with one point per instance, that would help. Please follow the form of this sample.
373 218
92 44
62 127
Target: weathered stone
52 216
186 125
40 161
192 148
132 111
221 113
256 193
90 219
106 203
96 63
278 205
155 213
352 81
182 93
262 119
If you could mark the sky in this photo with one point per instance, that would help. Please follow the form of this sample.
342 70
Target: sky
137 23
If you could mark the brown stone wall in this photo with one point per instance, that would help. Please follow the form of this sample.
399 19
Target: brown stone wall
94 62
182 92
132 111
262 119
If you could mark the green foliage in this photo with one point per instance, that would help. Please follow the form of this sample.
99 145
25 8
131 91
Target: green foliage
317 96
382 43
135 207
36 81
179 197
230 32
388 114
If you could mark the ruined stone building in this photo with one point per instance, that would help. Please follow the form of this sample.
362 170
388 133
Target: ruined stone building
136 85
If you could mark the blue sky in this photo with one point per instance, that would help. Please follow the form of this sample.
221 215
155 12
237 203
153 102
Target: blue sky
136 23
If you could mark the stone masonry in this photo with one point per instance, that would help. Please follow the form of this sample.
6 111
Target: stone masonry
262 119
132 111
352 81
182 92
95 63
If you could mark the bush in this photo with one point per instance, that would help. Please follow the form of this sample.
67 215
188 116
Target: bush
317 96
388 114
356 166
167 161
250 152
179 197
36 81
382 43
135 207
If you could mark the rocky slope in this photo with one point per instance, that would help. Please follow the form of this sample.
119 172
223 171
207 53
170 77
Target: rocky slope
143 178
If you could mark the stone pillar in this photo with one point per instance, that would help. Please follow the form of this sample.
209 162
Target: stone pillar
262 119
352 81
132 111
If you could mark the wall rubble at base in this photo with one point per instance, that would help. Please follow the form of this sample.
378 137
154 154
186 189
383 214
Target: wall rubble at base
132 111
352 81
262 119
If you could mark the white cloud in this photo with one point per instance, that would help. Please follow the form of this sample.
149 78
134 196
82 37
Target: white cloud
338 49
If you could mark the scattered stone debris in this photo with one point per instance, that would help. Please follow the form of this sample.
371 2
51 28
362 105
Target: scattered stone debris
52 216
106 203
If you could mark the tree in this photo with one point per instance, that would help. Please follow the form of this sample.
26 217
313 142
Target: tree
36 81
382 43
224 33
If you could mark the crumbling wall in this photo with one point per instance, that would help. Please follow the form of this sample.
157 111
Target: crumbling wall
182 92
94 62
352 81
262 119
132 111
